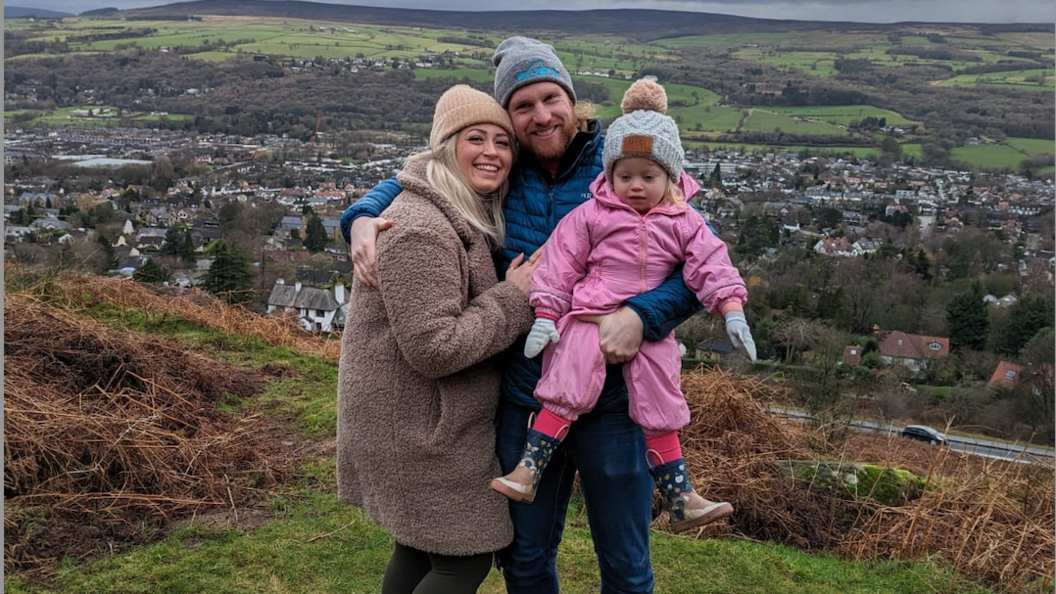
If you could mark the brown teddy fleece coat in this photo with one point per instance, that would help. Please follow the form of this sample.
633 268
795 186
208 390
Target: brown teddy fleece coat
418 386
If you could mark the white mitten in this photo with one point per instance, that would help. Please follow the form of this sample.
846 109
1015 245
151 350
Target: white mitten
740 334
543 332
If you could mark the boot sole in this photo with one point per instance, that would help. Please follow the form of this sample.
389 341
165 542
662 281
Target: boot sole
512 493
718 513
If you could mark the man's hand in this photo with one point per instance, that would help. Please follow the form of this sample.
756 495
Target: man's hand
363 236
620 334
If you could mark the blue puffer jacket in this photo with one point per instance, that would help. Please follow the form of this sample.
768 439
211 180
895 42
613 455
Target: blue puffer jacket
534 206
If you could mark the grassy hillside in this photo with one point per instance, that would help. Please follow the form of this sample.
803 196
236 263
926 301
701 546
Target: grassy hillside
212 431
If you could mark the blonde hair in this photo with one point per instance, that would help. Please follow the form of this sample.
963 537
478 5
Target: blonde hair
584 111
673 194
482 211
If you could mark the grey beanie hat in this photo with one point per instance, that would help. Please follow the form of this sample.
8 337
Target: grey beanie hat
644 131
521 61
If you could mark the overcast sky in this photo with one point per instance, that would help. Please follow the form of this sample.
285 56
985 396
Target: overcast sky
871 11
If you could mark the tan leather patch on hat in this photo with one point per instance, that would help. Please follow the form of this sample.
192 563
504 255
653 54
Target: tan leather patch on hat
637 145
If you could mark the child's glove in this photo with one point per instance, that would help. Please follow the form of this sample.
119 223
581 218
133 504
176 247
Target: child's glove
740 334
543 332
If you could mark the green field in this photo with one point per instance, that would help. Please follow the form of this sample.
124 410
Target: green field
1032 146
839 151
1028 80
844 114
762 120
708 119
1001 156
820 64
913 150
987 156
278 37
101 116
732 40
479 75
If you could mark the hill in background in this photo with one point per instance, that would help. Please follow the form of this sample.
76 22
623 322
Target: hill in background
639 25
21 12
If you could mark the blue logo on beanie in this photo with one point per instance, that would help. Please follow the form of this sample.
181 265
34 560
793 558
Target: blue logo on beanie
537 68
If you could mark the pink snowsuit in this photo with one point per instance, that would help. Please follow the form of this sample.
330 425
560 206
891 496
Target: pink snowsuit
601 254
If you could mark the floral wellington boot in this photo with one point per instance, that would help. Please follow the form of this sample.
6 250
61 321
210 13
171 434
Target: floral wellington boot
685 508
520 484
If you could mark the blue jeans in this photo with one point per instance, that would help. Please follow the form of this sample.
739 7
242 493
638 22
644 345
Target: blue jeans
608 449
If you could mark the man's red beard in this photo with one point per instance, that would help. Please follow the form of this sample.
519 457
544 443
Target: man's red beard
552 149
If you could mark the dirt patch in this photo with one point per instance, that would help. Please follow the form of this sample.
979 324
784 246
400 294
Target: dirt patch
110 436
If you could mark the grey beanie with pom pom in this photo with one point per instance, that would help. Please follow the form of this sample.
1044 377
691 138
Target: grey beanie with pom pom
644 130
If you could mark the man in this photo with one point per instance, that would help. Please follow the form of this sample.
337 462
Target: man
561 153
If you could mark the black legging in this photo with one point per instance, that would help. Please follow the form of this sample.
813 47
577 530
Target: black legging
411 571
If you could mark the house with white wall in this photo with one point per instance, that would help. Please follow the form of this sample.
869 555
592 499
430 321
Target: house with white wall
316 310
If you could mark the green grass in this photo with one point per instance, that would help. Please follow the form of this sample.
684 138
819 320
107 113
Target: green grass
762 120
1030 80
1032 146
479 75
317 545
730 40
987 156
77 115
844 114
913 149
708 119
841 151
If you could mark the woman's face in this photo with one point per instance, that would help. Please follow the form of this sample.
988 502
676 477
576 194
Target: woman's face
485 154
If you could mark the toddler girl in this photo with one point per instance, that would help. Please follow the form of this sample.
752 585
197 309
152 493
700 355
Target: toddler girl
627 240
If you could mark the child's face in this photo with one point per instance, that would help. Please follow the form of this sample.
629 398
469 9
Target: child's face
639 182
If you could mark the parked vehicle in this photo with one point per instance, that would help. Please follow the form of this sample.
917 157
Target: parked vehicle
924 433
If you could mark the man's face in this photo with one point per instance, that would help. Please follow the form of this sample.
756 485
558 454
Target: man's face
543 119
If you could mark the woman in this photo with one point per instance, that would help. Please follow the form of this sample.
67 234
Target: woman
417 389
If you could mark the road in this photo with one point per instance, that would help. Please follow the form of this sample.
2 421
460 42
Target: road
982 447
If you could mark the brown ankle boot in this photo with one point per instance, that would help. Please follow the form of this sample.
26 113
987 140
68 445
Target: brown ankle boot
697 511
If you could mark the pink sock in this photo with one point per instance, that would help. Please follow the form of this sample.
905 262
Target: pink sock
664 447
551 424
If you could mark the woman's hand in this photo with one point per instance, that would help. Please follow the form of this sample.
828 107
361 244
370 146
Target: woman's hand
363 237
520 271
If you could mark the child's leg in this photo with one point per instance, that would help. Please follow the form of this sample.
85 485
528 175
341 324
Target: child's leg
545 435
654 387
662 447
685 507
551 424
658 405
573 370
573 375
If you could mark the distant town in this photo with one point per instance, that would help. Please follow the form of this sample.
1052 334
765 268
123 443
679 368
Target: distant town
830 206
943 275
